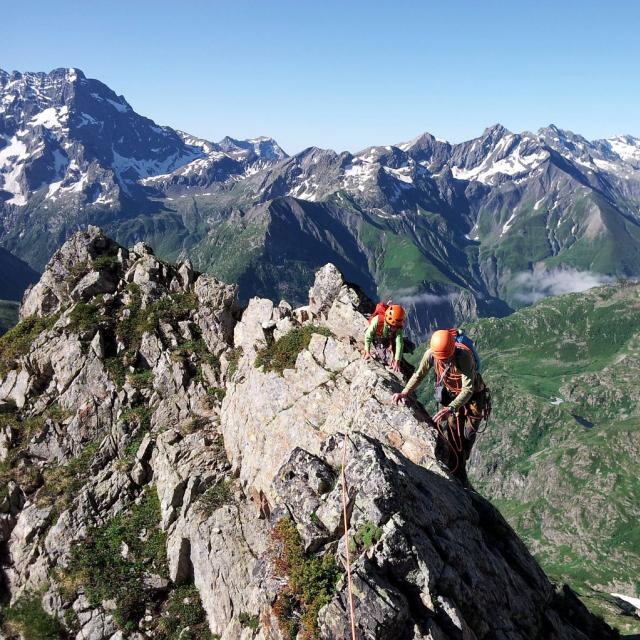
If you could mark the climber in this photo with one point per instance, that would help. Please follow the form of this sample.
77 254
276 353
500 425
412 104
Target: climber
459 388
384 333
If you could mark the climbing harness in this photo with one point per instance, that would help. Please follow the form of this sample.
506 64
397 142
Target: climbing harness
455 436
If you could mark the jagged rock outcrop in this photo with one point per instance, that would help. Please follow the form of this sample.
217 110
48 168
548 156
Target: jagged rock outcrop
173 465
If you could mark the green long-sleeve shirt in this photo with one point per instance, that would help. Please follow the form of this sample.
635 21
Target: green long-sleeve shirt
371 335
466 366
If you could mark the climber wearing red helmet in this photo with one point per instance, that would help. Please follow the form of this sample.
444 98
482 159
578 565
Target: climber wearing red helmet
459 388
384 332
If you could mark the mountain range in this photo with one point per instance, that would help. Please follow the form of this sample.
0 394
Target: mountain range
454 231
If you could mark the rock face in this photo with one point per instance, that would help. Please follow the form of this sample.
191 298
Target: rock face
204 448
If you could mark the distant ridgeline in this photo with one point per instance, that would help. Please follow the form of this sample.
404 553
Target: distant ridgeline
453 231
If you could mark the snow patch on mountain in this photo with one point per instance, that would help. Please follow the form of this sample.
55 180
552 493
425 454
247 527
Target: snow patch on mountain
517 163
12 158
402 174
118 106
359 174
627 148
51 118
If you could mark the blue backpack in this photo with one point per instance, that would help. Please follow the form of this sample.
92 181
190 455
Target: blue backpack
461 338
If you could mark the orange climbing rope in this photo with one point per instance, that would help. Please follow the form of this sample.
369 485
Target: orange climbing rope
346 536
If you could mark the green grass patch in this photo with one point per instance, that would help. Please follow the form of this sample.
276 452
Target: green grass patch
58 413
249 621
404 265
311 582
233 357
141 379
170 309
28 619
61 483
140 417
17 341
283 353
215 497
116 369
183 617
98 565
84 317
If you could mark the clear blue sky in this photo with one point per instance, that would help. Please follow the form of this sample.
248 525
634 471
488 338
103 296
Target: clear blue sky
346 74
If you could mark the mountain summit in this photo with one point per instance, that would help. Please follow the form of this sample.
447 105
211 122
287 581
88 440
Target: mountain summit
170 460
80 140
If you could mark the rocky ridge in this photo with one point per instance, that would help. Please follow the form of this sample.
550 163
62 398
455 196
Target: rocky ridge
157 440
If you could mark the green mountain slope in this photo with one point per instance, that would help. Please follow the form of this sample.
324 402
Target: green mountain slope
15 276
561 453
8 315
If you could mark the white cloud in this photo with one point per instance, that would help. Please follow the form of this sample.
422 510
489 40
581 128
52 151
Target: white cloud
424 298
552 282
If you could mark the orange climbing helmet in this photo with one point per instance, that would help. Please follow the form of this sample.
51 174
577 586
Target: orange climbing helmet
394 316
443 344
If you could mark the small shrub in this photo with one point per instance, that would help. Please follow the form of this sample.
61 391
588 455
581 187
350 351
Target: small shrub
216 496
71 619
311 582
17 341
233 359
84 317
28 618
141 379
249 621
283 353
367 535
106 263
116 369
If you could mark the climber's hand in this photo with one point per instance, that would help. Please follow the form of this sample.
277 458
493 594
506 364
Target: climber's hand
366 355
399 398
395 366
442 415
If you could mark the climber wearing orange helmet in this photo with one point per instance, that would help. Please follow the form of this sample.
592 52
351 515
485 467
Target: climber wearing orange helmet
459 388
386 328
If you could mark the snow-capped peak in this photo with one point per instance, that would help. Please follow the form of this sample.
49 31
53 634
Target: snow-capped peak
627 148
